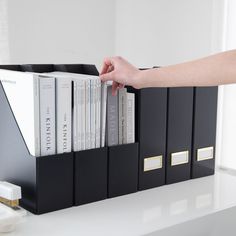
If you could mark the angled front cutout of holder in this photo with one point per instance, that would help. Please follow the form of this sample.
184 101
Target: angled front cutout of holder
21 90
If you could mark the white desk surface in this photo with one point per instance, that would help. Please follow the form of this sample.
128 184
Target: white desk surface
151 212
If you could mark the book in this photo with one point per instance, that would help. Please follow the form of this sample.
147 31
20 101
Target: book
82 112
103 112
87 114
92 113
122 115
22 92
63 114
74 117
47 115
130 118
112 118
98 113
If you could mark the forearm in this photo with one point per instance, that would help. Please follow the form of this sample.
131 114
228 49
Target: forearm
209 71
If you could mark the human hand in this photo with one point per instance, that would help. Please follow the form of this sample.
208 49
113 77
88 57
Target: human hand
120 72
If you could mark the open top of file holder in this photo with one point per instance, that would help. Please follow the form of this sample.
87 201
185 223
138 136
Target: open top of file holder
47 181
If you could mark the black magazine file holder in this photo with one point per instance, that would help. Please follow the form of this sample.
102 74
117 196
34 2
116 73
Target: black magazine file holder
47 182
43 190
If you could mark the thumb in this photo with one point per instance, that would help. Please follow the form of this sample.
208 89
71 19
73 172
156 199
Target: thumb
108 76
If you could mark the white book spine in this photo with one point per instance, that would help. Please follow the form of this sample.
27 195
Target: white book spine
130 118
75 109
36 116
79 114
47 116
87 114
82 114
122 116
98 113
63 114
93 113
103 112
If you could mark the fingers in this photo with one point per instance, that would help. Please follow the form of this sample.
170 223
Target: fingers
115 86
121 86
107 64
104 69
108 76
109 73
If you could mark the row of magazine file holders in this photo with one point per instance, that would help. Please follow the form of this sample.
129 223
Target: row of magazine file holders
168 120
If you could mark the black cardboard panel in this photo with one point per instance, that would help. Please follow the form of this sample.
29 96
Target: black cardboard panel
11 67
77 68
152 125
55 182
122 169
151 112
90 183
179 132
38 68
204 128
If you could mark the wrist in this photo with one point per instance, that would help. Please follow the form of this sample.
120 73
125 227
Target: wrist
138 79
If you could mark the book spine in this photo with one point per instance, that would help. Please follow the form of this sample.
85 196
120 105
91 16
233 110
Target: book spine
103 112
47 116
82 114
63 114
36 117
79 114
122 116
87 114
130 118
112 118
98 112
93 113
75 111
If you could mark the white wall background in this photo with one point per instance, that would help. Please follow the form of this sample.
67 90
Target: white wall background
56 31
162 32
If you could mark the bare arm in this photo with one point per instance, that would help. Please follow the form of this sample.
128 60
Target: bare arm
214 70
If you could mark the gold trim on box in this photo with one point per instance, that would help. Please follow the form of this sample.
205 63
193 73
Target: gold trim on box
180 163
204 149
153 158
10 203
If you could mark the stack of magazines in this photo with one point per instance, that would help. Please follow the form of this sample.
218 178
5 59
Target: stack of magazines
60 112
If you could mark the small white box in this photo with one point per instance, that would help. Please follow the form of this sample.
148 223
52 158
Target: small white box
10 191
